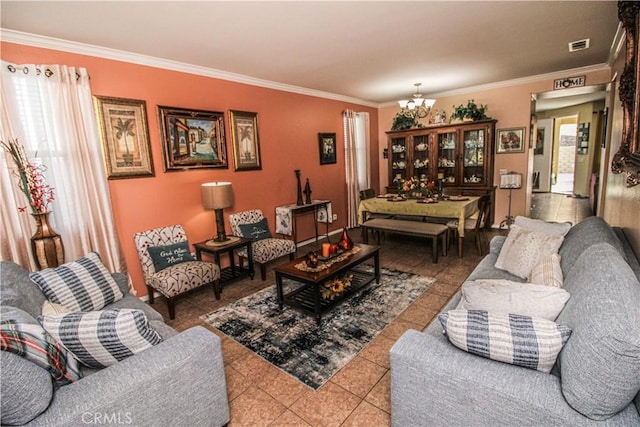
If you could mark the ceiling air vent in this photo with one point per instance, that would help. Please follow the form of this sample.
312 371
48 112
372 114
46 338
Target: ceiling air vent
579 45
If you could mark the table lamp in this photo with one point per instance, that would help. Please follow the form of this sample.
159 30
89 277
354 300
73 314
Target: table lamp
511 181
217 196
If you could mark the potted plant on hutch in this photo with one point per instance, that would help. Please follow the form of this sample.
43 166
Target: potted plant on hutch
471 112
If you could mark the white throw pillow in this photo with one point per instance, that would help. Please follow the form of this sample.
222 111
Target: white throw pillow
547 272
510 338
539 226
50 308
505 296
523 249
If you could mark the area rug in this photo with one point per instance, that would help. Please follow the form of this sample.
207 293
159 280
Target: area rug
292 341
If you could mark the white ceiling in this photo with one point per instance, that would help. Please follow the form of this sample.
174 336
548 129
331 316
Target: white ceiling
372 51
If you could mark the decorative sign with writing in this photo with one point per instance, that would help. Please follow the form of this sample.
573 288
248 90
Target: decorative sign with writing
569 82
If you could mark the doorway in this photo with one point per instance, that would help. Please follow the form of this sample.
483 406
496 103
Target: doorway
563 162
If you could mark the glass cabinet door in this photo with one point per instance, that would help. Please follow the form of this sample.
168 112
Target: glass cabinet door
447 156
473 167
421 166
398 159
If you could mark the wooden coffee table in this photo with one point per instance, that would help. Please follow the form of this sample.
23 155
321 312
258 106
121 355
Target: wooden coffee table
307 297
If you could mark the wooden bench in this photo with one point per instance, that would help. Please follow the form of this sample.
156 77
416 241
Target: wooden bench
411 228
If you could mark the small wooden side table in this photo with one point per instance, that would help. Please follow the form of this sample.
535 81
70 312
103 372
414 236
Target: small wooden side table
233 272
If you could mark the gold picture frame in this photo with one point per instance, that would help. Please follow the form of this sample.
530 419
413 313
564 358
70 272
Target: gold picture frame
125 137
192 139
510 140
245 140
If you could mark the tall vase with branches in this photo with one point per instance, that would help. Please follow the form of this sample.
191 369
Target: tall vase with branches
46 244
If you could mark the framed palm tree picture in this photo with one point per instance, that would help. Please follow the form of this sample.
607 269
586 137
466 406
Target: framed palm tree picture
192 139
125 137
245 140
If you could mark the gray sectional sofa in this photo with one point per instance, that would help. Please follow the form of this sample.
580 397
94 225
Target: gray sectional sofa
595 380
178 382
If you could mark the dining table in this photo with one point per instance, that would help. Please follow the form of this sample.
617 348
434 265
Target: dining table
454 207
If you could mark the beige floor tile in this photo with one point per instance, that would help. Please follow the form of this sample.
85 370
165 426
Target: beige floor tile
254 408
329 406
289 419
281 386
236 382
359 376
232 351
380 395
367 415
378 351
398 327
432 300
419 315
252 366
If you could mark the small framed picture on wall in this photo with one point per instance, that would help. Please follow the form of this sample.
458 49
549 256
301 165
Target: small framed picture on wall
510 140
327 142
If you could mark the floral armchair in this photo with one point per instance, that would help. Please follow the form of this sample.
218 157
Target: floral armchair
253 225
169 267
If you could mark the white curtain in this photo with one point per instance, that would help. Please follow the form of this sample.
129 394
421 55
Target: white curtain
49 109
357 160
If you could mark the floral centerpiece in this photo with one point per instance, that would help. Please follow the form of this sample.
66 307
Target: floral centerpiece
413 187
335 287
31 179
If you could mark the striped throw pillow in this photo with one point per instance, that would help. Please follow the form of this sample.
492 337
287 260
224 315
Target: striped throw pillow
102 338
511 338
33 343
81 285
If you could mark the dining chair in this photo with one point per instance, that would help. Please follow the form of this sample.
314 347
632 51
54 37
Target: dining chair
476 223
168 266
265 248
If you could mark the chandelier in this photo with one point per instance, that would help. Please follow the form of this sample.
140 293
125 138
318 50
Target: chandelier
417 107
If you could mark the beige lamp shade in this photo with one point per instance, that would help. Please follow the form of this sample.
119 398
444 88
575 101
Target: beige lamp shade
217 195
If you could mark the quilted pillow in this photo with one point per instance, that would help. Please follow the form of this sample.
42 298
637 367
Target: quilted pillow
505 296
81 285
166 256
256 231
548 272
523 249
511 338
101 338
539 226
37 346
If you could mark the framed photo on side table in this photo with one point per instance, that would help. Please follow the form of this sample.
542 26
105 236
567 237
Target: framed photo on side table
245 139
192 139
125 137
327 143
510 140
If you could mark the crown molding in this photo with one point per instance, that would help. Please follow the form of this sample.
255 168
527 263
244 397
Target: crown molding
513 82
44 42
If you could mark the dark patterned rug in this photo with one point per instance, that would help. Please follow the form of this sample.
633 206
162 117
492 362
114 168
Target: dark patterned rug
293 341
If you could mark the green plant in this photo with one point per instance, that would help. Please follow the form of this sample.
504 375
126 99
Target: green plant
471 111
403 121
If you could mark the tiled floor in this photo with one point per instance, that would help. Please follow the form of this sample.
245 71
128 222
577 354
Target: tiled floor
559 207
359 395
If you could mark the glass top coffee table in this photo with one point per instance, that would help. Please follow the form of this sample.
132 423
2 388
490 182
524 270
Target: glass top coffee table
310 289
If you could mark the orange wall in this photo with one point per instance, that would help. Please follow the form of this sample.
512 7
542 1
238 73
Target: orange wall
288 125
511 106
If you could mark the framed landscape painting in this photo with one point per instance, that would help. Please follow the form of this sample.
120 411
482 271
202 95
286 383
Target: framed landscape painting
246 142
125 137
510 140
192 139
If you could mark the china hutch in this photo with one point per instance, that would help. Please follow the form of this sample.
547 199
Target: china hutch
457 156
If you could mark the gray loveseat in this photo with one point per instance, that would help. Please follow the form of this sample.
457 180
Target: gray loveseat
179 382
596 375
